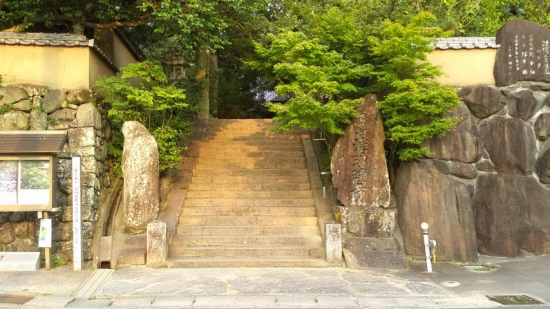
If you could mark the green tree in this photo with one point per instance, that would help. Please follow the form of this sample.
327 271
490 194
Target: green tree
167 31
317 80
191 23
338 58
413 103
469 17
141 93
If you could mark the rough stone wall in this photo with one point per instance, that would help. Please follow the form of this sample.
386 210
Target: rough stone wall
485 187
30 107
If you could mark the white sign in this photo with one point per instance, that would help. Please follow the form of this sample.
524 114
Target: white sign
45 235
77 215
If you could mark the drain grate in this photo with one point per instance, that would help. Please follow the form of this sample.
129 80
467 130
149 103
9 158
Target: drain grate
17 299
514 299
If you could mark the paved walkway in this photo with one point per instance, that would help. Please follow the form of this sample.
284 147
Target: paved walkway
137 287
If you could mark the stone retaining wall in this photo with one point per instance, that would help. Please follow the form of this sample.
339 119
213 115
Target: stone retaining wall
30 107
486 187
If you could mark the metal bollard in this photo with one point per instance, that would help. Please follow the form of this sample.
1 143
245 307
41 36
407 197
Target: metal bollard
425 227
433 243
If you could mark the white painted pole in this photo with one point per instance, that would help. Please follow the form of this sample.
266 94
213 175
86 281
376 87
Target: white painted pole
425 227
77 215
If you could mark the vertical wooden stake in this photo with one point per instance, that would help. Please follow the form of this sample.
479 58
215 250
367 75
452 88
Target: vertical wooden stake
47 256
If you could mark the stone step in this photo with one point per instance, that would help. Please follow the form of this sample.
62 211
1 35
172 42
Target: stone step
256 162
244 160
258 137
246 202
251 147
251 127
251 172
262 240
249 203
249 194
250 251
272 143
246 230
263 126
248 220
270 186
245 262
218 125
255 154
251 165
248 211
19 261
248 179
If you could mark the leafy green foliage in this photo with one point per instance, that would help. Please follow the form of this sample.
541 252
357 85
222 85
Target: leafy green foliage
23 14
414 103
318 81
59 261
463 17
141 93
328 68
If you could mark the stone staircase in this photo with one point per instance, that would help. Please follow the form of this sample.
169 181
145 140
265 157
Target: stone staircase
249 203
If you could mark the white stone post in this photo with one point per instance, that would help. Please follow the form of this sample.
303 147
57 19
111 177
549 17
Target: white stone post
77 214
334 244
157 249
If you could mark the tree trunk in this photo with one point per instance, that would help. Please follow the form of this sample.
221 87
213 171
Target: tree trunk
213 81
203 77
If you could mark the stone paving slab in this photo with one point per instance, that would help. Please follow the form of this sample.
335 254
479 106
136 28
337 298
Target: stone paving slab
370 302
419 302
48 301
177 301
282 288
89 303
215 301
256 301
296 301
324 301
134 302
279 288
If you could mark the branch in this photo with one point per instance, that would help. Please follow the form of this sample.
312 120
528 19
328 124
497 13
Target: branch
97 25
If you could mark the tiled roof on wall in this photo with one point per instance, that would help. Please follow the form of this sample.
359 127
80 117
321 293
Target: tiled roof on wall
44 39
466 43
53 39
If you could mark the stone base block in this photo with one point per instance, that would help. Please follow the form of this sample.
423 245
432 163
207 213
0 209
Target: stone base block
106 248
19 261
131 257
373 253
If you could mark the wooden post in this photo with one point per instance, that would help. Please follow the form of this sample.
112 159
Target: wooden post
47 255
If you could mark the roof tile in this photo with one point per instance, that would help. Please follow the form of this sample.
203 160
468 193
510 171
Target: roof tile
42 39
466 43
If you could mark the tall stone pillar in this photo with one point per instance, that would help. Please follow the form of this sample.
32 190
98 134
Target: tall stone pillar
140 168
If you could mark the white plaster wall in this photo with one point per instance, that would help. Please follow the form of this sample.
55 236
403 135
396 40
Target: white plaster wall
53 67
122 56
465 67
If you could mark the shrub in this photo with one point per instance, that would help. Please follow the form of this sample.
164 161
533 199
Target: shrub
141 93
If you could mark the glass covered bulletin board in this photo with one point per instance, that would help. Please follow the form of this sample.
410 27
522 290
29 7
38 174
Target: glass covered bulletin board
26 183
